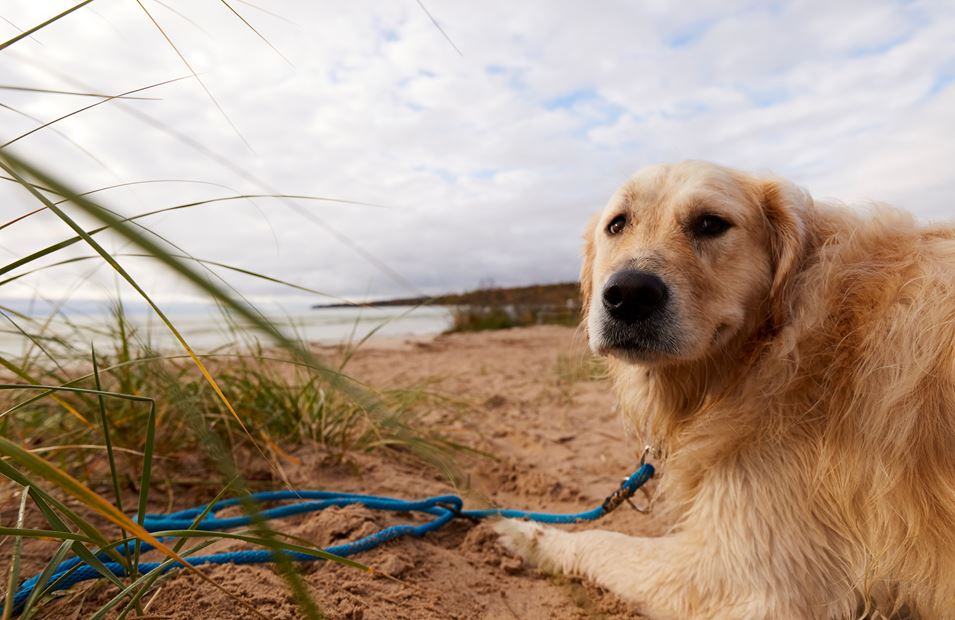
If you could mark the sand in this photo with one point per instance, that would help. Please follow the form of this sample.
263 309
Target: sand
558 444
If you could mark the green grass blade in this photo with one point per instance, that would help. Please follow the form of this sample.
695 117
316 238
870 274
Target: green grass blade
62 532
149 579
13 577
27 532
92 500
107 439
146 476
49 506
44 579
74 487
111 459
305 364
138 588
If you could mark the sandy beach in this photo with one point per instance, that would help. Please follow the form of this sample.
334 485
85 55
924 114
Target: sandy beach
526 398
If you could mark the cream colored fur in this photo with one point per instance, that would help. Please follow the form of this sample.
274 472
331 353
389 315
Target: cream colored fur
808 422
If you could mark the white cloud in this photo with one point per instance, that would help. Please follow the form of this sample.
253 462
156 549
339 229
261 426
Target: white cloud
490 162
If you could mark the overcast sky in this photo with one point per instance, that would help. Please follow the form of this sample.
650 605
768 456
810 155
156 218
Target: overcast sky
486 163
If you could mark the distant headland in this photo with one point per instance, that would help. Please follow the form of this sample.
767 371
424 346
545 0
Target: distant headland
563 294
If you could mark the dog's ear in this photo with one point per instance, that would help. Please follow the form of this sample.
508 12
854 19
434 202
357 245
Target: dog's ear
787 210
587 269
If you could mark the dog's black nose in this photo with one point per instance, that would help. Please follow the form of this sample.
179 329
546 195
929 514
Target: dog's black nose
632 296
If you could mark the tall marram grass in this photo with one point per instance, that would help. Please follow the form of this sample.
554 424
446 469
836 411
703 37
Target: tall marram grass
80 426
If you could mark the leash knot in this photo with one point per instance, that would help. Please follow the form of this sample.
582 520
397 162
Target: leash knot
628 487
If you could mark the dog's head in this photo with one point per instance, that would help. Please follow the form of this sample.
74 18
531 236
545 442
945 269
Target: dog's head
685 258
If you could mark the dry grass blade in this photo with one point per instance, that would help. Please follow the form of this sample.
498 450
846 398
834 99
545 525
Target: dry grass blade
27 33
202 261
19 29
229 164
34 339
107 188
21 217
365 254
92 105
183 17
258 34
195 75
85 446
438 26
51 91
267 12
78 146
20 372
123 220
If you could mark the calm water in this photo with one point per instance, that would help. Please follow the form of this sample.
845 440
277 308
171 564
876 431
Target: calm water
205 330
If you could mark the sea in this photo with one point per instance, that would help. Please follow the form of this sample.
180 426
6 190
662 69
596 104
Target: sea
206 329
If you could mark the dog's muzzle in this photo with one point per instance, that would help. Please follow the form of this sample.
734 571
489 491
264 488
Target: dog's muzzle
635 318
633 296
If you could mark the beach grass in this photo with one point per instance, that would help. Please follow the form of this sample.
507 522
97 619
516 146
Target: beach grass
79 427
63 408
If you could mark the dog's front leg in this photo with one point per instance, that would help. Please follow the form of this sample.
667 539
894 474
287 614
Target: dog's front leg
667 577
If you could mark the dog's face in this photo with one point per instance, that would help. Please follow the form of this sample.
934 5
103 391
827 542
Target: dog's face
685 257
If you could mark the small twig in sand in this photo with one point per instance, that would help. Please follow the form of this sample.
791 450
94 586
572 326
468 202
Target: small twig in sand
508 607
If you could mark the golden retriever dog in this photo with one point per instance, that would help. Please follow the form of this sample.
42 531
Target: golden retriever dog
793 362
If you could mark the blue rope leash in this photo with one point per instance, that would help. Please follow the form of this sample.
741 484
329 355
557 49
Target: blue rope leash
444 509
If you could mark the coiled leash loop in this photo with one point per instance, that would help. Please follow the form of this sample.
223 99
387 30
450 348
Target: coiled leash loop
444 508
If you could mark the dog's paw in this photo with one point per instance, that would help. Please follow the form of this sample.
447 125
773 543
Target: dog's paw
522 538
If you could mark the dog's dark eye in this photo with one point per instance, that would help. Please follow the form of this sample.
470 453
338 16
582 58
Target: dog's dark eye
708 226
616 225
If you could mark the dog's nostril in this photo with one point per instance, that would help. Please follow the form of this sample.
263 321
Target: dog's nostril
632 296
613 296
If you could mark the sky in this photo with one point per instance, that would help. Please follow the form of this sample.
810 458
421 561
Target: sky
479 146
